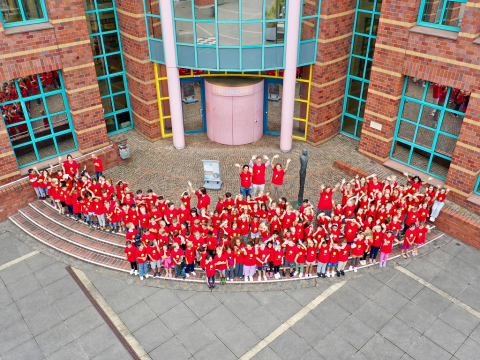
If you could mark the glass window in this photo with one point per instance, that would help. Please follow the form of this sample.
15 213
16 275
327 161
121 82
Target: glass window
228 34
308 29
228 10
310 8
443 14
22 12
182 9
252 34
153 6
274 32
184 31
206 33
429 125
275 10
252 10
107 21
33 119
154 27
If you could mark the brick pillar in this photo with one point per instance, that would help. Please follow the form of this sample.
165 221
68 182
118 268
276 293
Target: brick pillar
330 70
79 74
470 27
138 68
386 80
465 167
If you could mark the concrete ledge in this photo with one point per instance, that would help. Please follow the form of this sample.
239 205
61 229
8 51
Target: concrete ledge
477 41
474 198
401 168
28 28
425 30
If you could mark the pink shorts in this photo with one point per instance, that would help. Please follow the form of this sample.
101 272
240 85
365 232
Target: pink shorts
405 246
310 263
167 263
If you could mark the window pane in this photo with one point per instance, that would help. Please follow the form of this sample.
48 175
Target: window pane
203 11
274 10
360 45
153 7
362 109
100 66
252 10
355 88
359 128
274 33
452 123
429 117
120 102
420 159
32 9
107 21
368 69
357 66
228 34
371 48
411 111
107 105
365 91
117 84
65 143
37 108
415 88
366 4
299 128
59 122
252 34
103 86
364 21
92 23
309 29
110 43
440 166
55 103
96 44
228 10
348 125
114 63
184 31
376 19
460 99
25 155
19 134
154 27
406 131
123 120
110 123
445 145
401 151
425 137
40 128
182 9
352 106
46 148
11 11
310 8
47 79
104 4
206 33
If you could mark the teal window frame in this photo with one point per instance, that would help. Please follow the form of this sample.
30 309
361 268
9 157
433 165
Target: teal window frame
28 121
115 113
418 125
24 21
362 99
300 41
477 187
438 22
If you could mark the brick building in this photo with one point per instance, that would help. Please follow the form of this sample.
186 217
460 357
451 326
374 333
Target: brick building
400 76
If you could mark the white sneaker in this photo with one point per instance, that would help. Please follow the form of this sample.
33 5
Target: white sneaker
350 268
141 278
231 279
187 275
136 272
251 278
295 273
259 278
355 269
265 278
246 278
132 272
146 275
432 219
194 273
327 274
300 275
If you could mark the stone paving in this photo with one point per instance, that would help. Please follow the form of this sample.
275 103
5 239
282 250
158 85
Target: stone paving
379 313
159 166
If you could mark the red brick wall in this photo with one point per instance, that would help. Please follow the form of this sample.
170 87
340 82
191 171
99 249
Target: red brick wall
451 223
17 195
139 69
66 46
330 70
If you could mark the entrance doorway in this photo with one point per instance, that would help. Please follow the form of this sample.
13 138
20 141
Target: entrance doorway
193 103
273 106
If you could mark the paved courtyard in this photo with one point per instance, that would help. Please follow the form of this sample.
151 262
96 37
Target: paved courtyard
425 308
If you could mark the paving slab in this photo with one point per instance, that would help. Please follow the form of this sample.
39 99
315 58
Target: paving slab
290 346
379 348
153 334
445 336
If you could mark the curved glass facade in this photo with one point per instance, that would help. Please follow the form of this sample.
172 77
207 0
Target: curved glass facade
233 35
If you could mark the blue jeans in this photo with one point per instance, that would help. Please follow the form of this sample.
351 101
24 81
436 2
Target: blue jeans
189 268
179 270
245 191
98 174
321 268
436 207
143 269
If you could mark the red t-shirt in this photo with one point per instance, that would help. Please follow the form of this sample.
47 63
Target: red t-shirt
153 253
421 234
98 165
131 253
291 252
277 177
323 254
410 236
249 259
239 255
210 268
203 200
258 177
387 244
176 254
343 253
245 179
262 255
325 202
277 257
301 255
71 168
141 253
311 254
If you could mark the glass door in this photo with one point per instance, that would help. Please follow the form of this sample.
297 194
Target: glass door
193 102
273 106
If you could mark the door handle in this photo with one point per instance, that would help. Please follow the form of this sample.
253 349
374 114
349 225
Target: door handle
201 111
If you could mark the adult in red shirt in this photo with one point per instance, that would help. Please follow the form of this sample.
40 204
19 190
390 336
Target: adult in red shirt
258 173
203 200
70 166
245 174
97 163
325 203
277 179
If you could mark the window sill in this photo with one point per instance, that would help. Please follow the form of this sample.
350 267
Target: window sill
477 41
474 198
27 28
425 30
401 168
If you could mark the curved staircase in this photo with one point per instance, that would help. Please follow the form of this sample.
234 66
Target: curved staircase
75 238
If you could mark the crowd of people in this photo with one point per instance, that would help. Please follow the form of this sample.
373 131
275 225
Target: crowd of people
256 232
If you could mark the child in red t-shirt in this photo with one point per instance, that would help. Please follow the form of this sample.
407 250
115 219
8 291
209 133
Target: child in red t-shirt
98 166
210 271
262 255
166 260
142 260
131 257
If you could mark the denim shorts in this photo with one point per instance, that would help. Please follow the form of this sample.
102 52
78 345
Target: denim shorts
255 235
289 264
155 264
221 271
332 264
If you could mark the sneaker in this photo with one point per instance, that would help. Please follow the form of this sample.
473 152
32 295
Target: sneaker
213 286
319 275
291 274
265 278
154 275
194 273
355 269
350 268
136 272
284 274
187 275
342 272
209 286
146 275
295 273
132 272
141 278
231 279
246 278
277 276
251 278
338 273
259 278
328 273
300 275
183 277
204 277
323 275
